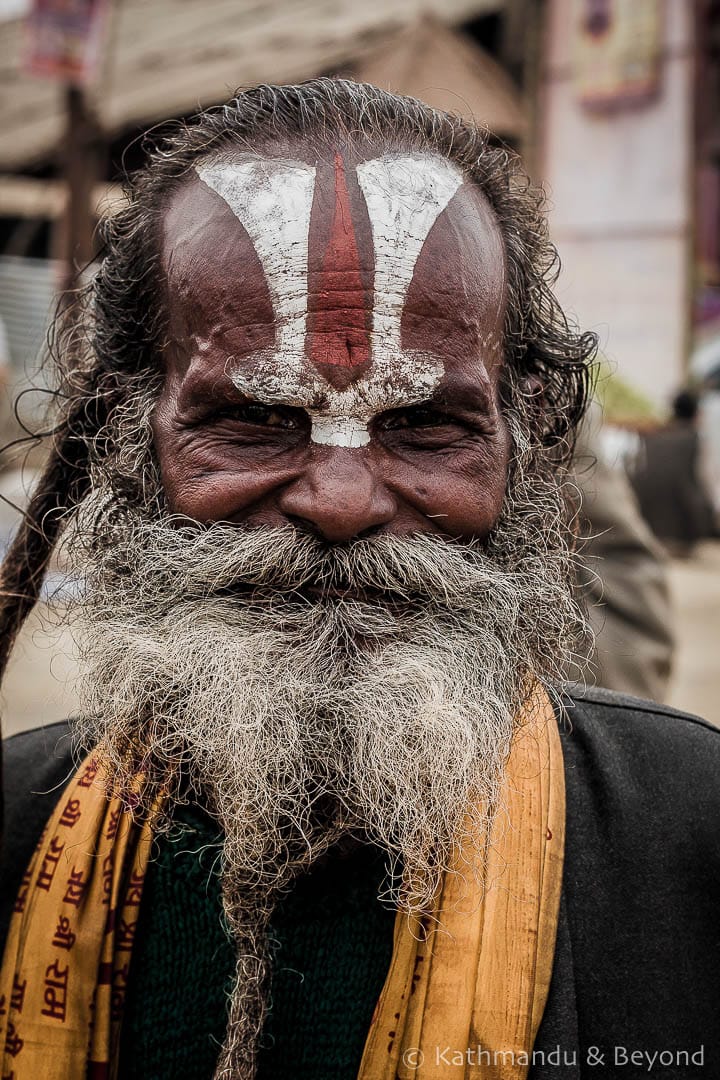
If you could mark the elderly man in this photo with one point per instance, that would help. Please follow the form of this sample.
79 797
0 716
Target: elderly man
337 816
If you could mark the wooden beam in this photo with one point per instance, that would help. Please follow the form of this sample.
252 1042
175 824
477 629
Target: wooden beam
80 159
26 197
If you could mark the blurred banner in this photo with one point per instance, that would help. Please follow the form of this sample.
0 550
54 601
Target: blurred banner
617 51
64 39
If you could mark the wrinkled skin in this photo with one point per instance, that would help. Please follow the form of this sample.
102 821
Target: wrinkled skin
435 466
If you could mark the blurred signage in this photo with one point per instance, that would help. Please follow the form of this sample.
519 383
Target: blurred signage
617 51
64 39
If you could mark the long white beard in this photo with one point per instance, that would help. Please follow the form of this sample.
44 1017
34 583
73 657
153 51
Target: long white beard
240 660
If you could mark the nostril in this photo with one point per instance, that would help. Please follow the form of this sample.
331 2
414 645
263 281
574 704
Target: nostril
320 530
368 534
305 525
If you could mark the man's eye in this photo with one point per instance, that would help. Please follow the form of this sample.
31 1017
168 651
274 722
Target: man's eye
253 412
419 416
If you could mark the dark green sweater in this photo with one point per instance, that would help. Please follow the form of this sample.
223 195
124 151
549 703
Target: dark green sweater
332 949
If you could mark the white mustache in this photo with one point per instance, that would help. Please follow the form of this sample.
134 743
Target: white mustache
195 562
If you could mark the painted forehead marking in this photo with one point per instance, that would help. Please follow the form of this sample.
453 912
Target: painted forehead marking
337 331
272 199
404 197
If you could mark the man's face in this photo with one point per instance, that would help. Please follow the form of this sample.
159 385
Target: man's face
332 362
335 345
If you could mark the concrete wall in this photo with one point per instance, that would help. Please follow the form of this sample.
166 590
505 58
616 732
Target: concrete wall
620 191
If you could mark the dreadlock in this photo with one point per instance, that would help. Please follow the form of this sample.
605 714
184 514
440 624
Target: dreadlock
107 353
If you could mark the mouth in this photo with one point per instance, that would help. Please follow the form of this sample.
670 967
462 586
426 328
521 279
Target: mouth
344 592
322 594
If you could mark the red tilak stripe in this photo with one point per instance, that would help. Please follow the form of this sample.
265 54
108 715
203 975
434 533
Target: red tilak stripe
337 319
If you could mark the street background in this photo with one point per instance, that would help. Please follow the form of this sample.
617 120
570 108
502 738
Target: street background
612 105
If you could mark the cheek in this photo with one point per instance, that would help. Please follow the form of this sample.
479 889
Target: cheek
205 478
460 493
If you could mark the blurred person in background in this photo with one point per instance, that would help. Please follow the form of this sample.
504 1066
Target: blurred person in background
623 575
333 808
669 481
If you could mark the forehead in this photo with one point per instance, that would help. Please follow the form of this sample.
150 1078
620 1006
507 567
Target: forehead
353 252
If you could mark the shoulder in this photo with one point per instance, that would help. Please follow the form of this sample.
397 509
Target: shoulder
37 765
642 767
40 746
618 723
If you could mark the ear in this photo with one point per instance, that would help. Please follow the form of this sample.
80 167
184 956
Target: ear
532 387
532 391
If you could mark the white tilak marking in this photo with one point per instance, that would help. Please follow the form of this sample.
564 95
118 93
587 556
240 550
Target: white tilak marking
404 197
272 199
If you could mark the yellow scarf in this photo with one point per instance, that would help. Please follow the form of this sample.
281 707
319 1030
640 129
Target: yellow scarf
472 980
465 1000
67 956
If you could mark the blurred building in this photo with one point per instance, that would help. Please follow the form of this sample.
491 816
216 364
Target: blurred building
610 101
617 103
164 60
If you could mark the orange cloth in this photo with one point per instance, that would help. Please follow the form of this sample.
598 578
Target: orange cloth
67 956
467 988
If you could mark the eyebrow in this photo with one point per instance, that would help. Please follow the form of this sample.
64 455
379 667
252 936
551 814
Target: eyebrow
456 388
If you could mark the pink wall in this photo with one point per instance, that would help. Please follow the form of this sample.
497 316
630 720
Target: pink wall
619 185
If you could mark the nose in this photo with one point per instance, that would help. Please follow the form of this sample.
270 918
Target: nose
339 496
